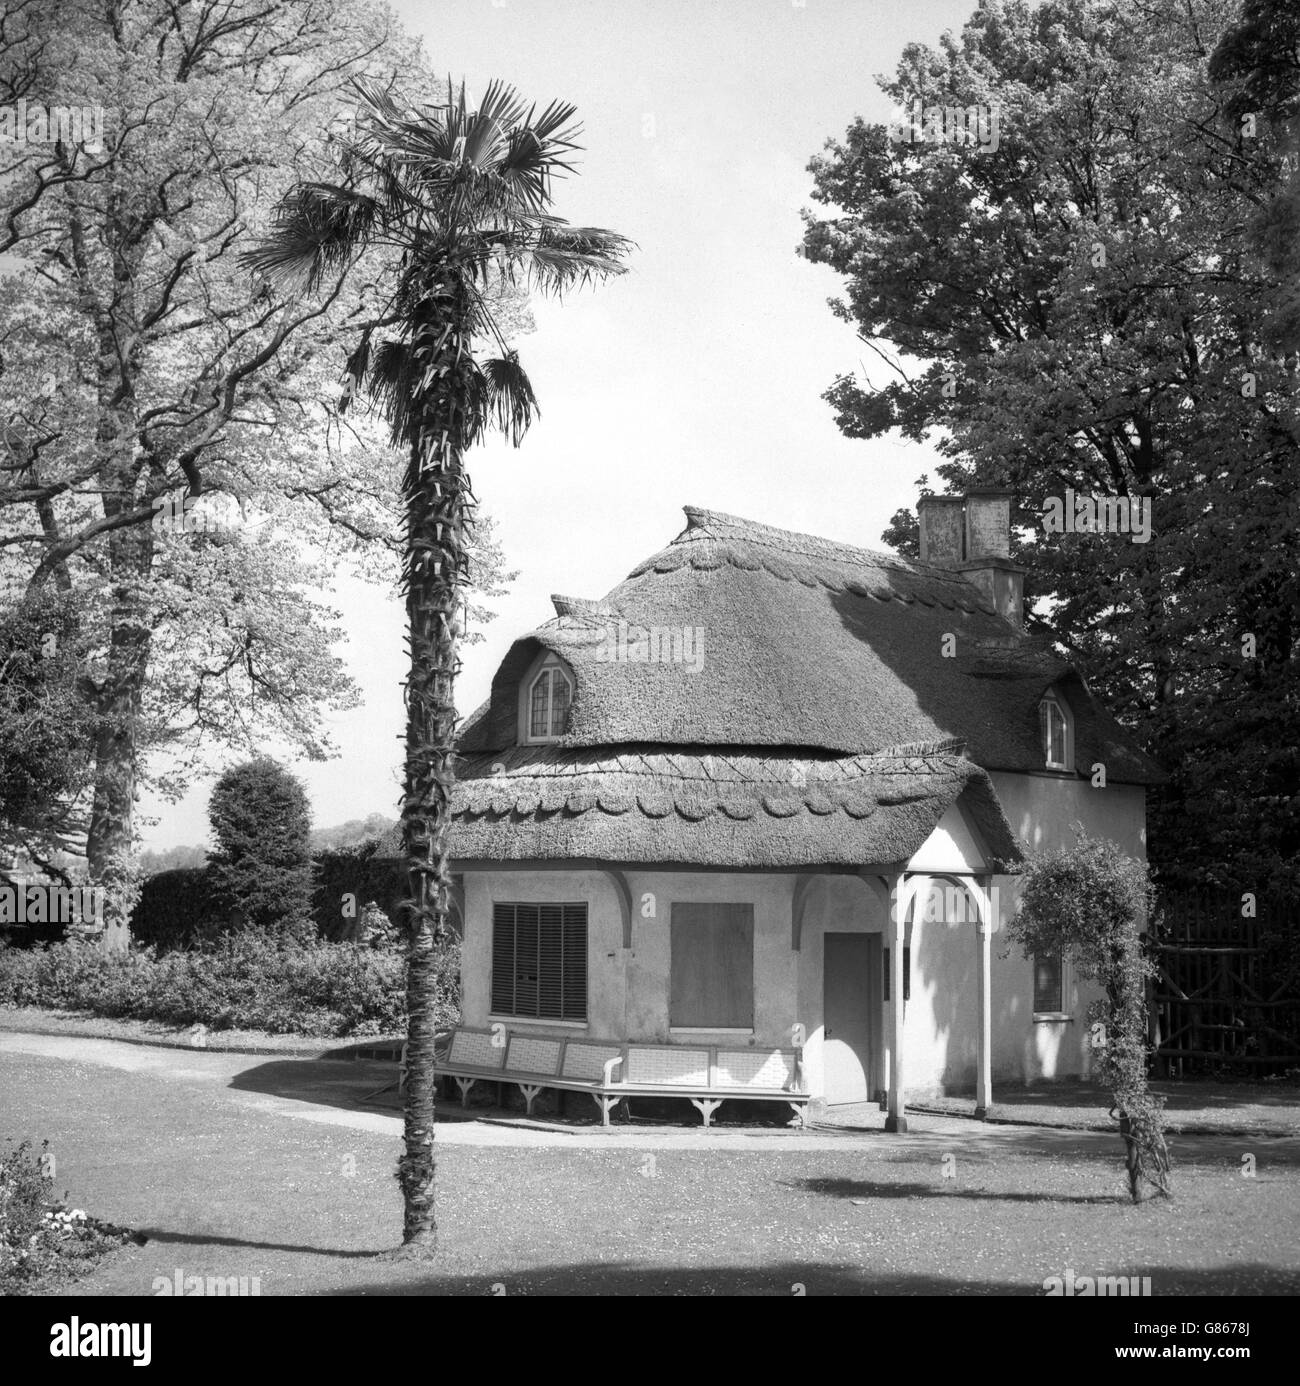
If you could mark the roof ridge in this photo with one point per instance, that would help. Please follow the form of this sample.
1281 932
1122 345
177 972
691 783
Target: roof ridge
759 532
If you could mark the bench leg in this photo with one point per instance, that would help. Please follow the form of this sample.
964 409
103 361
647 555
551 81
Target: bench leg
707 1106
465 1084
530 1091
800 1110
606 1105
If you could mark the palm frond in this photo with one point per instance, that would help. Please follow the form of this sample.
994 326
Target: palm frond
567 257
392 381
318 228
500 396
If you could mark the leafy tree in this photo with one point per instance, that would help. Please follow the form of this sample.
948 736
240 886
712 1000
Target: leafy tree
1094 304
352 833
262 824
461 196
1090 903
172 859
146 383
46 731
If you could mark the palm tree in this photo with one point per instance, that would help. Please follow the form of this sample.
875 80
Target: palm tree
458 203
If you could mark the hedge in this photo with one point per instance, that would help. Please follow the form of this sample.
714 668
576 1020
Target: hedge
181 907
242 981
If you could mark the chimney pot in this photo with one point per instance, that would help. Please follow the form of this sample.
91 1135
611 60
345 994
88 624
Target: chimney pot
941 529
971 534
988 523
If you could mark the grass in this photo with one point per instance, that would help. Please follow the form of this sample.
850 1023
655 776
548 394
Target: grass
224 1187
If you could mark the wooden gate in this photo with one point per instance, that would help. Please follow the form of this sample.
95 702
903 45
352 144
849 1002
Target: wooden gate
1228 989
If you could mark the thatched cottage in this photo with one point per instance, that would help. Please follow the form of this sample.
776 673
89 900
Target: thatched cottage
755 799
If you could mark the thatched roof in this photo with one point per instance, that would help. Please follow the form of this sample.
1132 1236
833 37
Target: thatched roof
716 808
806 644
822 723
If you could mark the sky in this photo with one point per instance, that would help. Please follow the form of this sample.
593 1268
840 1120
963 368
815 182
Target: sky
696 378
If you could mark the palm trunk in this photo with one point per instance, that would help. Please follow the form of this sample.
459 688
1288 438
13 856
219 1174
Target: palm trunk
436 489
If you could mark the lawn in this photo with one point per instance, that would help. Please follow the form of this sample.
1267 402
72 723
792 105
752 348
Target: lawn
227 1179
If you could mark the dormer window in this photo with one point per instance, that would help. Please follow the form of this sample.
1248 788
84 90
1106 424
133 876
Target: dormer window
1055 725
549 696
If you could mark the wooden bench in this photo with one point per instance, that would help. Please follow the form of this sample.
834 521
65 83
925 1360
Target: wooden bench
707 1075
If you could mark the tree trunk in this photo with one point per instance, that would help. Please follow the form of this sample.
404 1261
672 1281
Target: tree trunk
120 694
435 490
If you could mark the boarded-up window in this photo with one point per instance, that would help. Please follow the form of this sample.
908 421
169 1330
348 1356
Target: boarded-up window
712 983
539 961
1047 981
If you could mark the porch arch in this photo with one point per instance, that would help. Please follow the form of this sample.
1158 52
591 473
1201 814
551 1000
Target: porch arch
919 889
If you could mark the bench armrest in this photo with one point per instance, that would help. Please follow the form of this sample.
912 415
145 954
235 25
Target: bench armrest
610 1066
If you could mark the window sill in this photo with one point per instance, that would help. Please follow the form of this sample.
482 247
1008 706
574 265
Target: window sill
1051 1017
515 1020
709 1030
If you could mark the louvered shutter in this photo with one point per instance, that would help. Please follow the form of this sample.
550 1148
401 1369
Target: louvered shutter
539 961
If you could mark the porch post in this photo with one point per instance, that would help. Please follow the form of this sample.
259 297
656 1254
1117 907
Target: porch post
984 1077
895 1119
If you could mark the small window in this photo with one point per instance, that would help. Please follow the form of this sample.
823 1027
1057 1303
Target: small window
1055 727
539 961
548 705
907 973
712 967
1047 983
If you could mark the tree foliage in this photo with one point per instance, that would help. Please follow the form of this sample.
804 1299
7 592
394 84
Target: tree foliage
46 729
150 386
1106 301
261 821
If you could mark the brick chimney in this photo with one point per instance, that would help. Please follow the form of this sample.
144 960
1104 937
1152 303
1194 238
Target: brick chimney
972 535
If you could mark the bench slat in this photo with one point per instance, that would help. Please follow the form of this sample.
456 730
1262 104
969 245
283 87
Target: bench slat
652 1064
533 1054
475 1047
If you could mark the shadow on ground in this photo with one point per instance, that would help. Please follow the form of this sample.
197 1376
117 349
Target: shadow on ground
870 1188
158 1234
366 1085
795 1279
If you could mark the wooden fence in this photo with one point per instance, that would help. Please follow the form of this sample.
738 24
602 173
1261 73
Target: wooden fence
1228 990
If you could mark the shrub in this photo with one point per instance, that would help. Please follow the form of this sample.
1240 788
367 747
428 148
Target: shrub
345 878
241 981
178 908
1090 902
262 865
41 1238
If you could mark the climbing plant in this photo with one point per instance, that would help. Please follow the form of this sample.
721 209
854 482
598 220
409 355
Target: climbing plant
1090 903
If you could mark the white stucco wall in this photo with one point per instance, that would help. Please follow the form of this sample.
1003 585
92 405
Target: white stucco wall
1042 810
628 992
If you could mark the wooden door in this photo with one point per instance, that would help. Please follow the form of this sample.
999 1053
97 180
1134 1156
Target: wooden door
851 1014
